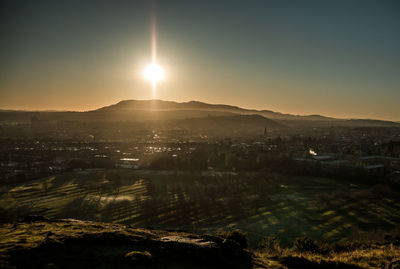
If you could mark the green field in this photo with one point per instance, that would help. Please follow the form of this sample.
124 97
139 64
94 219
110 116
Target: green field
262 204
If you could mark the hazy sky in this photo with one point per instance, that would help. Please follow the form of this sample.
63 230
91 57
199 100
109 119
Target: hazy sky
336 58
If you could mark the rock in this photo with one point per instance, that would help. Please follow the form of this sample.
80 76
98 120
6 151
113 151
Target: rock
85 244
139 257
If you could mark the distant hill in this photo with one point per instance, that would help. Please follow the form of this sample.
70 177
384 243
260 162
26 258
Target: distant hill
159 110
201 109
157 105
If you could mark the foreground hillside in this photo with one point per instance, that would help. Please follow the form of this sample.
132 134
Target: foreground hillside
37 242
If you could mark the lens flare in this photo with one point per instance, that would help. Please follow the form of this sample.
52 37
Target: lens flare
154 73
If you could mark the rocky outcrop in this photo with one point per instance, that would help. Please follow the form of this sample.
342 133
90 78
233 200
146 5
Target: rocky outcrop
42 243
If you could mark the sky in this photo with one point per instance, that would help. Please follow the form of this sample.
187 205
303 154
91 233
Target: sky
334 58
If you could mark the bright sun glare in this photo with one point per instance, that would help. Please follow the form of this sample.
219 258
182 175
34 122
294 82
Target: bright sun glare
154 73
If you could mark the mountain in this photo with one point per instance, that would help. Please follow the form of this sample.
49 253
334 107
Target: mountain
159 110
160 105
196 109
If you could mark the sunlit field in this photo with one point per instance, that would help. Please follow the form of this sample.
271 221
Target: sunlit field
261 204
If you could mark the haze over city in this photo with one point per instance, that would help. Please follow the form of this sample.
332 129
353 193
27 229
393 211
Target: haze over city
334 58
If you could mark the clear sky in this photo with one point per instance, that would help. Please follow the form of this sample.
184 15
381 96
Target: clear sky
335 58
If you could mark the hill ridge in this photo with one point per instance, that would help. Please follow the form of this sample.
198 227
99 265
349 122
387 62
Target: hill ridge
193 104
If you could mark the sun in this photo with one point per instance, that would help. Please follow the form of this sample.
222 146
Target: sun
154 73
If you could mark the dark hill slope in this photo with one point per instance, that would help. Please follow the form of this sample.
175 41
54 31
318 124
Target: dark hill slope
231 125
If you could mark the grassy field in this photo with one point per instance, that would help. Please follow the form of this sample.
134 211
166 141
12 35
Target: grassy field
261 204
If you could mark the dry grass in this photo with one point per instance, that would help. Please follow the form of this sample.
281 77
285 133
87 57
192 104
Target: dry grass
374 257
